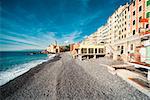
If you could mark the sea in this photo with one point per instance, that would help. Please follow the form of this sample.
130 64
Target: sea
15 63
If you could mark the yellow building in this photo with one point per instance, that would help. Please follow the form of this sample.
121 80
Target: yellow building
89 49
53 49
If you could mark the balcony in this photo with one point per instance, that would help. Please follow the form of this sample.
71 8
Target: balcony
120 41
133 37
144 34
129 38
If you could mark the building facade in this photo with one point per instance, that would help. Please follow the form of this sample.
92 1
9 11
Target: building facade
53 49
118 30
138 24
126 35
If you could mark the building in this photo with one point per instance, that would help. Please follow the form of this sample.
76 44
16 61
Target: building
121 33
139 27
118 30
102 34
53 49
86 50
74 49
90 51
126 35
125 29
145 35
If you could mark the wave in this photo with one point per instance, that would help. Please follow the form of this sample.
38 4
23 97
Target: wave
10 74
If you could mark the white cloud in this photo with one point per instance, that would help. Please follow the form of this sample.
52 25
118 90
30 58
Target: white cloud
22 40
41 41
66 41
70 38
85 36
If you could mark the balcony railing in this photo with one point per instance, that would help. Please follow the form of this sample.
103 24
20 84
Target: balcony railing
129 38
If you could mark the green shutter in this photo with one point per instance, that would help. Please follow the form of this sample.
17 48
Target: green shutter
148 15
148 2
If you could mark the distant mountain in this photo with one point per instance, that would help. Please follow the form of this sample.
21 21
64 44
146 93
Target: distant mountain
25 50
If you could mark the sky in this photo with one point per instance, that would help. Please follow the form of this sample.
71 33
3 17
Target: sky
35 24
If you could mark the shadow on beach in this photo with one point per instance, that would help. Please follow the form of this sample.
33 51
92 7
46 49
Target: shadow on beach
13 85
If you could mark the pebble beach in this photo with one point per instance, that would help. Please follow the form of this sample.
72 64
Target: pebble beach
65 78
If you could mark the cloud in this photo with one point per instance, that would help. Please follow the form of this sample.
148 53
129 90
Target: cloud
85 36
18 39
66 42
38 25
41 41
14 40
70 38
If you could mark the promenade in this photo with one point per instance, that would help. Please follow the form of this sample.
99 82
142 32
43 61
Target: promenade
65 78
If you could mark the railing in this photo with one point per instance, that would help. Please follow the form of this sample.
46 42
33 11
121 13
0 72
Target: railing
133 37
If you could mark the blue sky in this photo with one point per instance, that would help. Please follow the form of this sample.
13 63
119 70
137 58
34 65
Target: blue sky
34 24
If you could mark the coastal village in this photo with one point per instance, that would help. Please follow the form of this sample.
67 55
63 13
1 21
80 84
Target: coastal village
125 37
113 63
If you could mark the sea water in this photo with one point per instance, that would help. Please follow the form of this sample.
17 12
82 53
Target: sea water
15 63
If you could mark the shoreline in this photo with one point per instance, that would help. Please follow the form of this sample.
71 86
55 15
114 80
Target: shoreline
13 85
66 78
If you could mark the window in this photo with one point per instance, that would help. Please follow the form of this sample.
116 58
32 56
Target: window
125 12
125 23
140 8
133 32
139 0
125 36
139 30
133 3
148 2
125 17
140 18
119 32
90 50
134 13
84 50
134 22
118 47
131 47
147 25
100 50
95 50
122 36
121 49
125 29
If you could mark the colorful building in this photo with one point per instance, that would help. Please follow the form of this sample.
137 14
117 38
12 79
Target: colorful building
53 49
126 34
145 35
139 30
86 50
